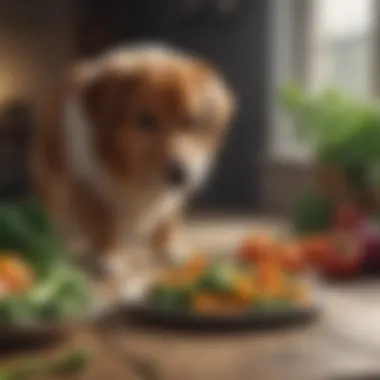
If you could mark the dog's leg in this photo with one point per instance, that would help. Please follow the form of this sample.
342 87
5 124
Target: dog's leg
95 224
168 242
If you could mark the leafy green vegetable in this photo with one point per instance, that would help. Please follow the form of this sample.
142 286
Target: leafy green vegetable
62 289
70 364
21 230
217 279
35 216
16 374
312 213
16 309
170 297
66 364
63 294
268 304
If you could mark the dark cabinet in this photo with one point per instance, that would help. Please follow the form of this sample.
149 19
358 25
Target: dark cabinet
15 129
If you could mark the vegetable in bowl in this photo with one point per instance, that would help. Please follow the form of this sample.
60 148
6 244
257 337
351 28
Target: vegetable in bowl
39 281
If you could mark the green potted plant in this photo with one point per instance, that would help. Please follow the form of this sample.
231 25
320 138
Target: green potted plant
344 136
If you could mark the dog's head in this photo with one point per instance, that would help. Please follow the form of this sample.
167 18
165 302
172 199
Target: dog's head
156 117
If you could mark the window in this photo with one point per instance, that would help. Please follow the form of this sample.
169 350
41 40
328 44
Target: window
336 50
342 47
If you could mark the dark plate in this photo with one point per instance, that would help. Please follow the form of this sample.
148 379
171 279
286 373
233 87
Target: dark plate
289 316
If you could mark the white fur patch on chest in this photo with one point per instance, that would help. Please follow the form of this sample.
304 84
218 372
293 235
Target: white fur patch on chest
163 207
80 154
136 225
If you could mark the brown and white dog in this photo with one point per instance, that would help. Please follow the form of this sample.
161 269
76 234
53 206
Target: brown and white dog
132 134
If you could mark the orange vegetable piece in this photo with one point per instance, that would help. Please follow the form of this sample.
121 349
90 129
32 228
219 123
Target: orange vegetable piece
196 265
270 278
245 289
176 276
292 257
212 303
4 289
15 274
206 303
232 303
256 247
315 247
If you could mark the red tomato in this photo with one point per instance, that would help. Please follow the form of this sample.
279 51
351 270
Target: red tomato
313 248
342 257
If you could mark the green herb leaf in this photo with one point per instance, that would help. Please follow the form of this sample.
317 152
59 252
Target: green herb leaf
70 364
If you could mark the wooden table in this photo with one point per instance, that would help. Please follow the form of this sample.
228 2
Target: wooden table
345 340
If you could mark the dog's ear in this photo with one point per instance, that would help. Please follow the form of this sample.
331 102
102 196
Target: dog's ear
220 101
105 96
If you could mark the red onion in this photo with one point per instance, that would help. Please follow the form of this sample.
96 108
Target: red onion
369 235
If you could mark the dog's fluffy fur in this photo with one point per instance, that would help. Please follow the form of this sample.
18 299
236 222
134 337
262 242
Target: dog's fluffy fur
101 153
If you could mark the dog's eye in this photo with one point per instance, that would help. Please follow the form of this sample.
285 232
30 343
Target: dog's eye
147 122
191 123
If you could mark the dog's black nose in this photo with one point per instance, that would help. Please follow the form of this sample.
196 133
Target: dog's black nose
176 174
